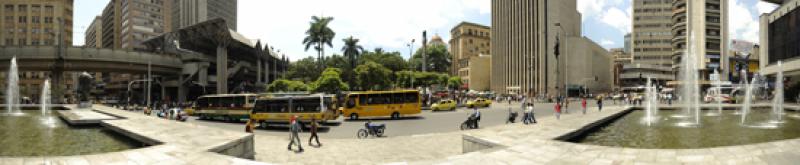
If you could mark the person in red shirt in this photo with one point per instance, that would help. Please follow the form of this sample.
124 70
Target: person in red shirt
558 110
583 104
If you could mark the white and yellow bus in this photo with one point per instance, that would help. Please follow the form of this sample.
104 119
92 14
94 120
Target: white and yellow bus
382 103
271 109
228 107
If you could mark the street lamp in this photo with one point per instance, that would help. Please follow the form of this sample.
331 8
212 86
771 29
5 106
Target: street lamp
129 88
410 57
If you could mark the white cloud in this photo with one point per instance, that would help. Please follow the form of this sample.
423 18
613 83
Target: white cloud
606 42
387 24
589 8
764 7
618 19
742 24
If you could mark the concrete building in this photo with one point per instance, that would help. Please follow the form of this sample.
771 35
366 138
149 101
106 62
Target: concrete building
94 33
35 22
621 58
478 77
128 23
468 40
524 35
700 26
779 36
589 67
189 12
651 38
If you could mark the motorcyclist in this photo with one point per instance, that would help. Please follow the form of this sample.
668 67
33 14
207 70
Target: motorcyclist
476 117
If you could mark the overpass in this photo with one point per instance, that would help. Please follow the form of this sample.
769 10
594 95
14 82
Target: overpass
78 59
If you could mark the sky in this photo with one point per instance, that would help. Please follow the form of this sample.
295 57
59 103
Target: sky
392 24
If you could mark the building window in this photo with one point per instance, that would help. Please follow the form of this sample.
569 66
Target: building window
48 9
23 19
9 8
9 41
48 19
22 42
23 8
36 8
35 19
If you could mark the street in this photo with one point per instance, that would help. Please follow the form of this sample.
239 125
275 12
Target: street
424 123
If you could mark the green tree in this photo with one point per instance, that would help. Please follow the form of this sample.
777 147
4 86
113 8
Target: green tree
373 76
319 35
284 85
454 82
330 82
352 51
305 70
438 59
392 60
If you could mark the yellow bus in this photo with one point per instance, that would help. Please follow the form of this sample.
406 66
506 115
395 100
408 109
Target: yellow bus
270 109
382 103
228 107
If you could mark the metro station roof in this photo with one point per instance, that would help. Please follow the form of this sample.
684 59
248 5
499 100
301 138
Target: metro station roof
204 38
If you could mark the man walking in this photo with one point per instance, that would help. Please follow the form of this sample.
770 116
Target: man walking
294 127
314 127
599 103
583 104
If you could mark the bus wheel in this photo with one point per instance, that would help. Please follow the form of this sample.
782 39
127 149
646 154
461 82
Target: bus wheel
353 116
395 115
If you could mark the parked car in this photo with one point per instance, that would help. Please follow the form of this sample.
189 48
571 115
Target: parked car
444 105
480 102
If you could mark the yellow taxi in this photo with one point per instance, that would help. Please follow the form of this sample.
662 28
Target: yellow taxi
444 105
480 102
189 111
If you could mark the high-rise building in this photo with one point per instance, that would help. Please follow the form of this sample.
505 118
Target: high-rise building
468 40
94 33
700 32
189 12
35 22
127 23
627 49
651 40
523 46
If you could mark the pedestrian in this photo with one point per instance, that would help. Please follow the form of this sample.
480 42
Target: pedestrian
529 113
558 110
314 127
249 126
477 114
599 103
583 104
294 138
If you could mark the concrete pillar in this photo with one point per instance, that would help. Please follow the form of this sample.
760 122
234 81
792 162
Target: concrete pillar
258 72
222 69
181 89
163 92
266 71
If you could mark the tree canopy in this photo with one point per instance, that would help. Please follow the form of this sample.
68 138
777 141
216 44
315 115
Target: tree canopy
330 82
438 59
305 70
373 76
284 85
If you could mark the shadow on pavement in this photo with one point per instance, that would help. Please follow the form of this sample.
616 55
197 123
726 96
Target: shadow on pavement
385 119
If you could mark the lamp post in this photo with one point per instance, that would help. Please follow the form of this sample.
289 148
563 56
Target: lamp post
411 56
129 88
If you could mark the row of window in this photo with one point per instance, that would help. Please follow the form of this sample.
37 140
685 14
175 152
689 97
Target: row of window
390 98
24 19
23 41
24 8
305 105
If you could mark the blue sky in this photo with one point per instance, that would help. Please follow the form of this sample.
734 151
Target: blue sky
391 24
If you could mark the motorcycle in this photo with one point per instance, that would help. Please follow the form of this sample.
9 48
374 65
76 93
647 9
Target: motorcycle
471 123
371 129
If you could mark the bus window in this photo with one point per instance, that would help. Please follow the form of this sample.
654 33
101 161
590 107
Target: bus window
411 97
351 101
202 102
387 98
239 101
272 106
251 99
363 100
306 106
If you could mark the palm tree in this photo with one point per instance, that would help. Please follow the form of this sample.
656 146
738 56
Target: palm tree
319 34
352 51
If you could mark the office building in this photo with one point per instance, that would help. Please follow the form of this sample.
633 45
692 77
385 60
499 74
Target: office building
128 23
94 34
523 45
651 40
35 22
700 32
189 12
779 39
468 40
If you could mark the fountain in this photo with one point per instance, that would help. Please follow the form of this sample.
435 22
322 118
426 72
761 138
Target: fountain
690 89
748 98
777 100
718 87
649 107
45 97
12 89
